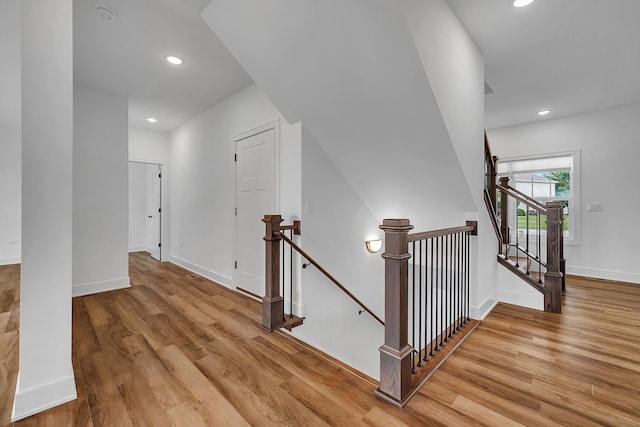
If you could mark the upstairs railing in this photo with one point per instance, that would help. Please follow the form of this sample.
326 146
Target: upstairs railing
426 304
533 242
274 312
490 188
529 233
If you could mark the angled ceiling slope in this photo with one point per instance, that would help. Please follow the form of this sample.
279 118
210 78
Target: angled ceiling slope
351 73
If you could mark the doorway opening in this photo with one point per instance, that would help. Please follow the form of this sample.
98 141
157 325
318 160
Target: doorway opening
145 208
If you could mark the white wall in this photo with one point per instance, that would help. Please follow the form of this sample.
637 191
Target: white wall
202 181
100 192
455 69
137 207
10 145
609 146
45 375
334 232
148 145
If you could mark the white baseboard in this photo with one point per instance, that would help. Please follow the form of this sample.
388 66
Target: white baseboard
37 399
202 271
141 248
9 261
620 276
481 311
97 287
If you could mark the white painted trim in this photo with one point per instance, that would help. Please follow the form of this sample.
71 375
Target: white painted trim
620 276
483 310
204 272
98 287
10 261
37 399
142 248
151 161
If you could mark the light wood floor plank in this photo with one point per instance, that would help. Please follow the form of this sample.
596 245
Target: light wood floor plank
174 350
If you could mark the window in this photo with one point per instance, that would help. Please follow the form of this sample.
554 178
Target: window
548 177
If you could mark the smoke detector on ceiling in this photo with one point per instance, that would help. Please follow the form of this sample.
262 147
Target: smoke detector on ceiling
106 13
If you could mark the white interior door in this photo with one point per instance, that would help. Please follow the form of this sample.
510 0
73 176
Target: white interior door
154 211
255 197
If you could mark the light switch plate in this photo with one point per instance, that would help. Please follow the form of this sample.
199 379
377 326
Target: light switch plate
595 207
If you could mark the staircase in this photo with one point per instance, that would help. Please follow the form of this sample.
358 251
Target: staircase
534 250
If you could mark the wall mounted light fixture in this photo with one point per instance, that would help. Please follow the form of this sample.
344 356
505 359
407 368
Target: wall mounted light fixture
374 246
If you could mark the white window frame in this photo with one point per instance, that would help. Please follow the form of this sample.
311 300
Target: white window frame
505 169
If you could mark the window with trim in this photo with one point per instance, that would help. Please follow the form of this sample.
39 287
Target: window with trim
548 177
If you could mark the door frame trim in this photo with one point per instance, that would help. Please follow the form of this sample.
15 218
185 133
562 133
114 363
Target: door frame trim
164 202
275 125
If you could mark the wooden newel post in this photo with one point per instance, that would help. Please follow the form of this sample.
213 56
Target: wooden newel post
504 224
395 354
272 302
553 276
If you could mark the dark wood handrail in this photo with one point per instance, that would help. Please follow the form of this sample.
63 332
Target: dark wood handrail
492 160
414 237
492 214
529 201
327 275
295 227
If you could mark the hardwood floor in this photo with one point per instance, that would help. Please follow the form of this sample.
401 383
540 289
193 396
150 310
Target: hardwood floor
187 352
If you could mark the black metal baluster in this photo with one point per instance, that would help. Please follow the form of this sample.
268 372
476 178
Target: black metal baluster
517 235
527 260
283 286
413 308
420 303
539 250
291 275
442 288
460 284
426 298
437 305
450 285
433 323
447 295
467 272
456 284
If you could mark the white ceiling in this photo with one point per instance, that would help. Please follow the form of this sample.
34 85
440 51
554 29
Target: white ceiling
126 56
569 56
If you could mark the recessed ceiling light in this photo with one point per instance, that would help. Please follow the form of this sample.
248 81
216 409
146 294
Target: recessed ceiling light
522 3
171 59
151 120
106 13
543 112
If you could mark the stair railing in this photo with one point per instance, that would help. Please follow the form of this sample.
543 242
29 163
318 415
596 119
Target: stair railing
426 304
273 304
523 254
490 189
547 274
